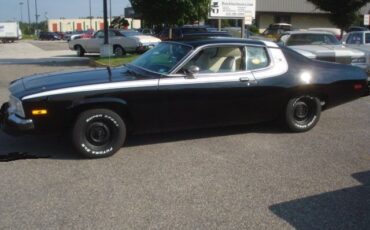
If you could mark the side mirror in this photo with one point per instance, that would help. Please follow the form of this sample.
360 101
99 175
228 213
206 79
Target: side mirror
192 71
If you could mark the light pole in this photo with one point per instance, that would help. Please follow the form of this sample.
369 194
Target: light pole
37 16
29 15
90 14
21 6
105 13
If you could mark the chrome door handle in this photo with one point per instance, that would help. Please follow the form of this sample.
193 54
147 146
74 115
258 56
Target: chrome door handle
244 79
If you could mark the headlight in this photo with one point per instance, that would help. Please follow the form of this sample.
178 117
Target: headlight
359 60
16 107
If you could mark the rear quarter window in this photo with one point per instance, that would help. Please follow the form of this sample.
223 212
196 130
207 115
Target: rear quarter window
257 58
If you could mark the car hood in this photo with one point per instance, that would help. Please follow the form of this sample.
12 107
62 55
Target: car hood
328 50
53 81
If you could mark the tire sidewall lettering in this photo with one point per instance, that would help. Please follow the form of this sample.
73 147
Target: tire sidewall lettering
98 116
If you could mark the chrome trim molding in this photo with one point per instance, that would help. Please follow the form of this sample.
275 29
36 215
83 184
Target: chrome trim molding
270 44
279 65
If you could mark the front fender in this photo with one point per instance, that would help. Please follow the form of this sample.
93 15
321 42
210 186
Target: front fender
97 101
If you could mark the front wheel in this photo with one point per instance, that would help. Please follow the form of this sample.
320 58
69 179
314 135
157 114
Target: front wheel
302 113
98 133
119 51
80 51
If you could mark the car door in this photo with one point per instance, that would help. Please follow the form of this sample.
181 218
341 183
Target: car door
93 44
222 93
127 42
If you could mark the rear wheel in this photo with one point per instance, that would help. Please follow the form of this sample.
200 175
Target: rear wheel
302 113
80 51
98 133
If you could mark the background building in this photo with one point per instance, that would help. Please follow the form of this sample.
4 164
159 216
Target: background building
300 13
64 25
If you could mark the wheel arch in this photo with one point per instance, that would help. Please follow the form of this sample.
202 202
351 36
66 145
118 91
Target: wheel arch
118 45
115 104
76 45
312 91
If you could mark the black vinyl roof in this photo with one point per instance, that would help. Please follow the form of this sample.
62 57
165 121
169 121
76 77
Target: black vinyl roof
199 41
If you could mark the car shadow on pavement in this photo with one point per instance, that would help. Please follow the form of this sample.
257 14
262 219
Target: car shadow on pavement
191 134
348 208
58 146
35 147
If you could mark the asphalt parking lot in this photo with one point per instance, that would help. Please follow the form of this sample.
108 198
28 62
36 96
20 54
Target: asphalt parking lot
247 177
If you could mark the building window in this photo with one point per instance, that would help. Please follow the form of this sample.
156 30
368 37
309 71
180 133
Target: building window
282 18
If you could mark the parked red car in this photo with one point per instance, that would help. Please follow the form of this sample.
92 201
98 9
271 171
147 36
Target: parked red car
88 34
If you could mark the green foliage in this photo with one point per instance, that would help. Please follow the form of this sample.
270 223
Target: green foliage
343 12
116 61
171 12
30 29
119 22
254 29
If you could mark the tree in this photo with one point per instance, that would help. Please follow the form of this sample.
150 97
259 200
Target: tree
119 22
171 12
343 12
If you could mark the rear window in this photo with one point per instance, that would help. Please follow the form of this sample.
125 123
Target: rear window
312 39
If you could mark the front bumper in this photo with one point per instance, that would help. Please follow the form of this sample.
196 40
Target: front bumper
13 124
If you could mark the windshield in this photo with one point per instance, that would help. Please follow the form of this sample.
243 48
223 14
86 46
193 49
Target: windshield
130 33
312 39
163 57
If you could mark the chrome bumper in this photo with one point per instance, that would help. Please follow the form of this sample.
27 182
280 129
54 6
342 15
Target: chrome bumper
12 124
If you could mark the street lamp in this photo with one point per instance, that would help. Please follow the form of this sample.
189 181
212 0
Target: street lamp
90 15
21 6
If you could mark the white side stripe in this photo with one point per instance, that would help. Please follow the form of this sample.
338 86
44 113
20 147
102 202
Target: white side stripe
96 87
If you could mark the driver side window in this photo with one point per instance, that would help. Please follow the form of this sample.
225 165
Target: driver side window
219 60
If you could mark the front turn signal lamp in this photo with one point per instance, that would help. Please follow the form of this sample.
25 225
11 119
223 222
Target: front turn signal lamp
39 112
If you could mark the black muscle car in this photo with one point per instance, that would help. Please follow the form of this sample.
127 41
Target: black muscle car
181 85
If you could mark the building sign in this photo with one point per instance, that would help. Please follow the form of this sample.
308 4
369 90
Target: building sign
232 8
366 19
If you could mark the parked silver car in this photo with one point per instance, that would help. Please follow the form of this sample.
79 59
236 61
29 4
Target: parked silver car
323 46
359 40
123 41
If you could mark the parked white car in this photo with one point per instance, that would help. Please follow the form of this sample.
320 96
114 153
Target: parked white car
323 46
359 40
123 41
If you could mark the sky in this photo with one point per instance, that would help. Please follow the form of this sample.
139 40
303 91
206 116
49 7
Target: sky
11 9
